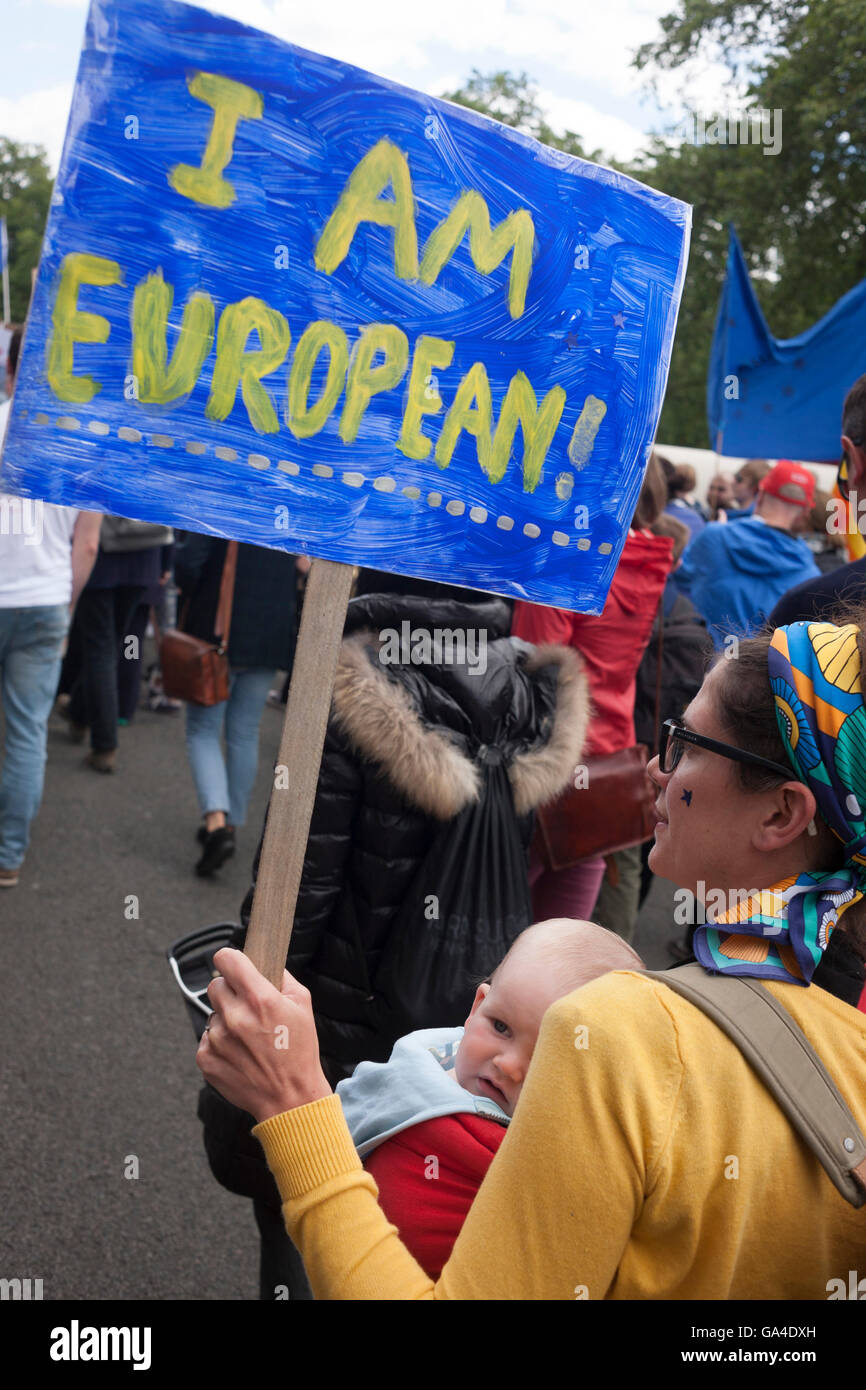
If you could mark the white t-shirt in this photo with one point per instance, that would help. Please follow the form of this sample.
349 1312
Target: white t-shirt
35 548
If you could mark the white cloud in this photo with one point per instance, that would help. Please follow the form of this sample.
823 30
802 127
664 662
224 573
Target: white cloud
38 118
597 129
703 85
396 39
579 55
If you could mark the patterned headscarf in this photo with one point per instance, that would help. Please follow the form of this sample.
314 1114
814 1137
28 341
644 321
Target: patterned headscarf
782 932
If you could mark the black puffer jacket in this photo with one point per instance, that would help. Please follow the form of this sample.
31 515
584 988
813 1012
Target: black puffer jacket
404 753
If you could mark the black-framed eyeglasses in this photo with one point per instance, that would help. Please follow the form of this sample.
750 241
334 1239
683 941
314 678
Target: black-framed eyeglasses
674 736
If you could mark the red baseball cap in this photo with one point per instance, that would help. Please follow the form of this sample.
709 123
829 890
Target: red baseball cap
790 483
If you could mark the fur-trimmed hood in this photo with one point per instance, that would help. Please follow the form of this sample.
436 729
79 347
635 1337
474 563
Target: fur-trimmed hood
419 724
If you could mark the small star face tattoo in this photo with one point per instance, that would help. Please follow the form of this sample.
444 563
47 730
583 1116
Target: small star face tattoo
687 798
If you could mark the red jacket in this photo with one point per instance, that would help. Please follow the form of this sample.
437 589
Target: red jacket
613 643
427 1178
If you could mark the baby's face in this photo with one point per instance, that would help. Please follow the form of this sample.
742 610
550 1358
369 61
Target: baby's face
502 1030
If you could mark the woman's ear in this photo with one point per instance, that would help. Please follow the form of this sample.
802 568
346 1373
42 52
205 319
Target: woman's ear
481 994
792 813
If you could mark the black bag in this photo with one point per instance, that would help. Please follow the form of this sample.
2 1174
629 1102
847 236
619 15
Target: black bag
190 960
468 902
119 533
686 654
235 1156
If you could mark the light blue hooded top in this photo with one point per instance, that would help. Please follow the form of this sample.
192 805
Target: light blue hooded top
417 1083
735 575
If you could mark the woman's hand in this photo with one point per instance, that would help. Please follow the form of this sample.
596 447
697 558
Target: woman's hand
260 1048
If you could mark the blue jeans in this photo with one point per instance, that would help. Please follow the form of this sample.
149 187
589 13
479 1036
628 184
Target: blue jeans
31 641
227 784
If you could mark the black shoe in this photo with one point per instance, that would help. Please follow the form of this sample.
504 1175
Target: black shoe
202 833
219 845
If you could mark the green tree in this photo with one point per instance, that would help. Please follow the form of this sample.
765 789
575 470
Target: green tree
800 214
512 98
25 193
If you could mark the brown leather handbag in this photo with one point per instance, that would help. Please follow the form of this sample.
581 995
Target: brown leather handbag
613 811
612 808
196 670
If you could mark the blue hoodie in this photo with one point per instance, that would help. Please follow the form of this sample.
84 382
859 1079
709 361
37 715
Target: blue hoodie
416 1084
735 575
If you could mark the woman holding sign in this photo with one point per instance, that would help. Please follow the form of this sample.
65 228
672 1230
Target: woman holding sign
644 1154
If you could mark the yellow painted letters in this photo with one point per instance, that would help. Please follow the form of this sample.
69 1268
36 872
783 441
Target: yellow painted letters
305 420
159 382
538 425
423 397
365 380
73 325
234 365
231 102
361 201
463 415
516 233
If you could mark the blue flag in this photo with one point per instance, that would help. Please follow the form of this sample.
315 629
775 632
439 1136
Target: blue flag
774 398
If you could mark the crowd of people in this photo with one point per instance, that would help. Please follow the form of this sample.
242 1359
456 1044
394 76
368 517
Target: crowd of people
447 958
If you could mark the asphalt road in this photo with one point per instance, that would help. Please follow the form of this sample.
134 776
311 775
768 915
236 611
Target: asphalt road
97 1049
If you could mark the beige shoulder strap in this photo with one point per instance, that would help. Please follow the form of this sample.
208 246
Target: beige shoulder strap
786 1062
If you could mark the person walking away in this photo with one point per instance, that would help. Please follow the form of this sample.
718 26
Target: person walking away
735 574
261 632
127 565
46 555
130 661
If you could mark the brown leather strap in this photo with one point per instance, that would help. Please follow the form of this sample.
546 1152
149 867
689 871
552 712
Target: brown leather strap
223 623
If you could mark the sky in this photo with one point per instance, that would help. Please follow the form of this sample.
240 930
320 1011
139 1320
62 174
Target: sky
577 53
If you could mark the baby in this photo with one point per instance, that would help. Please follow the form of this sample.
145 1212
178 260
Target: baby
429 1120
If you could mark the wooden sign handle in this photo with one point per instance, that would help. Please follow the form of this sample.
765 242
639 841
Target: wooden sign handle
299 759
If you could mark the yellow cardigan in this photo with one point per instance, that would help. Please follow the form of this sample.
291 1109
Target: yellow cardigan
645 1160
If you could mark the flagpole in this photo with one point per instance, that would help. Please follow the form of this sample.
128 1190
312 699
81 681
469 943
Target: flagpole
4 256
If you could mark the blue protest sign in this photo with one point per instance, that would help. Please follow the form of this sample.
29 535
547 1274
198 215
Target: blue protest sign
286 301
